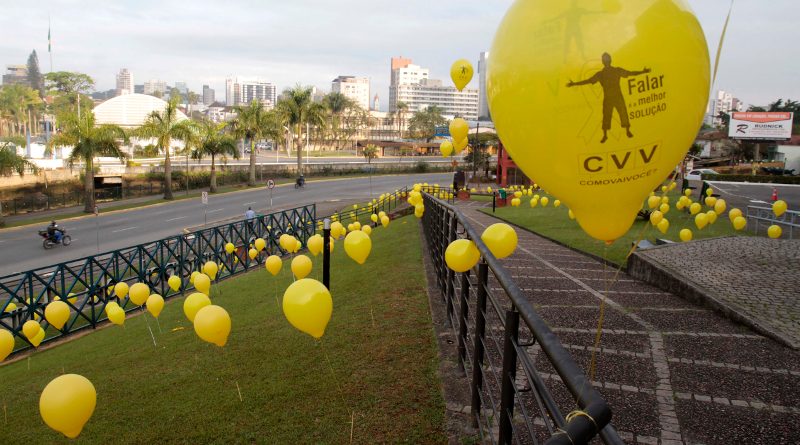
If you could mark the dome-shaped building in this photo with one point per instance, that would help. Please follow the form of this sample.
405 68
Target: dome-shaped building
129 110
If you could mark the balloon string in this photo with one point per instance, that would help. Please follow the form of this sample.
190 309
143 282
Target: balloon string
721 41
224 356
144 314
339 389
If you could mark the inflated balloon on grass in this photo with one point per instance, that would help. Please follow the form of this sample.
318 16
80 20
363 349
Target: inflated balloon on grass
385 221
739 223
663 225
779 207
174 282
6 344
358 245
31 329
202 283
685 235
366 229
301 266
67 403
701 220
501 239
57 314
138 293
121 289
534 202
115 313
229 248
193 303
774 231
307 305
720 206
663 208
212 323
544 201
260 244
193 276
656 217
734 213
695 208
154 304
315 244
273 264
252 253
712 216
462 255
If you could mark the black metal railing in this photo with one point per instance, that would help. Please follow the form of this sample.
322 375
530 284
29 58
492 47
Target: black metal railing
501 354
86 284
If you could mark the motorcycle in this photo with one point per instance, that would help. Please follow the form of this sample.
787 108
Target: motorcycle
300 182
50 241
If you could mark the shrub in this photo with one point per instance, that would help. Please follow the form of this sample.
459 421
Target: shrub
421 167
769 179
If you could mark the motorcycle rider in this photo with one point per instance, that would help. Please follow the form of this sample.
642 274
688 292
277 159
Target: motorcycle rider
301 181
54 232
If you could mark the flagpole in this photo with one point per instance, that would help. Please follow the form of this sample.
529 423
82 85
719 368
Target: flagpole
49 49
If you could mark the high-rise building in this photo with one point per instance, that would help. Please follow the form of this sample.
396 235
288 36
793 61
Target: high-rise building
182 88
124 82
376 103
230 99
723 103
155 86
240 92
16 74
404 72
483 102
208 95
355 88
430 92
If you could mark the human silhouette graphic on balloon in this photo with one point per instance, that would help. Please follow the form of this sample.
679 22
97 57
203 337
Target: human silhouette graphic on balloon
609 78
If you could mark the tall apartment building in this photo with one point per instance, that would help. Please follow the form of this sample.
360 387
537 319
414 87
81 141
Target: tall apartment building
723 103
124 82
240 92
208 95
483 102
411 85
355 88
16 74
154 86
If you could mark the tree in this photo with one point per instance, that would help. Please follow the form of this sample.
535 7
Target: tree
424 122
35 74
253 122
191 99
402 109
69 82
213 142
336 104
17 102
11 163
370 152
166 126
296 110
89 141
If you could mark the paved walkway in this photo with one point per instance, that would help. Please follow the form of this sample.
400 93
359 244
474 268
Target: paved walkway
673 372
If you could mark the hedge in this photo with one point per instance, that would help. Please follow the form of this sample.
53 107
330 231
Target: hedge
769 179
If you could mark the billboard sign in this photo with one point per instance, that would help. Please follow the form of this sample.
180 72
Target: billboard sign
761 125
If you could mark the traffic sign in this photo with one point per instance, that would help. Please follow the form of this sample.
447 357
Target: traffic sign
204 197
270 184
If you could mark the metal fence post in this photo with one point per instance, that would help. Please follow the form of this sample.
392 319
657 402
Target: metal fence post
326 253
451 274
463 316
508 376
480 332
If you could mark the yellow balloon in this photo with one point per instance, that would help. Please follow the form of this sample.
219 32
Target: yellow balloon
301 266
501 239
774 231
680 205
518 194
202 283
656 217
665 200
11 307
544 201
121 289
687 192
366 229
709 191
720 206
695 208
139 293
154 304
557 203
115 313
534 202
460 144
194 303
174 282
619 110
446 148
739 223
515 202
315 244
653 202
381 214
711 201
385 221
229 248
192 276
712 216
336 229
37 340
663 225
357 245
31 329
308 306
664 209
57 314
260 244
462 255
461 72
701 220
213 324
459 128
6 344
686 235
67 403
570 214
779 207
297 245
374 218
734 213
273 264
252 253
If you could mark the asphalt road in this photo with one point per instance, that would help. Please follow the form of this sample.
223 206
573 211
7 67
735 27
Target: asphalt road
21 248
741 195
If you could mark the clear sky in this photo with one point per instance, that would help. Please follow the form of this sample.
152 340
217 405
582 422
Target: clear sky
313 41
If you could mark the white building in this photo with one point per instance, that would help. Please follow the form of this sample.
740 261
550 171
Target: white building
430 92
154 86
124 82
483 99
129 110
242 92
723 103
355 88
404 72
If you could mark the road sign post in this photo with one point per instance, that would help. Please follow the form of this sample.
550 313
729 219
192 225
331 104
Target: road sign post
204 198
270 186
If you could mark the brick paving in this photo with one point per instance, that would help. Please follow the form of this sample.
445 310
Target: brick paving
754 279
674 372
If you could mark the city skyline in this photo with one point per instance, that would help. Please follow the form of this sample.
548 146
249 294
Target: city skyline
103 39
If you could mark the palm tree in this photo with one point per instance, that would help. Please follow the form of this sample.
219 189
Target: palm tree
402 109
253 122
89 141
17 102
11 163
213 142
166 126
297 109
336 104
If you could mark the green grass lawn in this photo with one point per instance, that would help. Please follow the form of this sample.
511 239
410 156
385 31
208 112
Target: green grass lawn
376 365
554 223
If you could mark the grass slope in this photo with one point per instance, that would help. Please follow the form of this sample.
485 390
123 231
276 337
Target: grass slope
376 365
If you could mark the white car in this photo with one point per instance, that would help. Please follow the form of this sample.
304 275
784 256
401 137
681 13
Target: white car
697 175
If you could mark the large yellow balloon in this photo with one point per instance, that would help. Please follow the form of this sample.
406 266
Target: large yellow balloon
301 266
155 303
115 313
57 314
194 303
618 104
6 344
202 283
446 148
273 264
779 207
774 231
459 128
462 255
461 72
213 324
308 306
357 245
739 223
501 239
260 244
174 282
67 403
139 293
315 244
211 268
121 289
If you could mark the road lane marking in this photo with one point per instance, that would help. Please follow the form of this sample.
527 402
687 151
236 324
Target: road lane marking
250 203
175 219
215 210
122 230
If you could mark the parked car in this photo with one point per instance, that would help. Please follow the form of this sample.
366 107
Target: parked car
697 175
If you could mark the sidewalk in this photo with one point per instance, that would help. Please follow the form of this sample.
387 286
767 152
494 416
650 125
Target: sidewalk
673 372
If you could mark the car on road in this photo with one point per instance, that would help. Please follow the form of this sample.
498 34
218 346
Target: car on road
697 174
